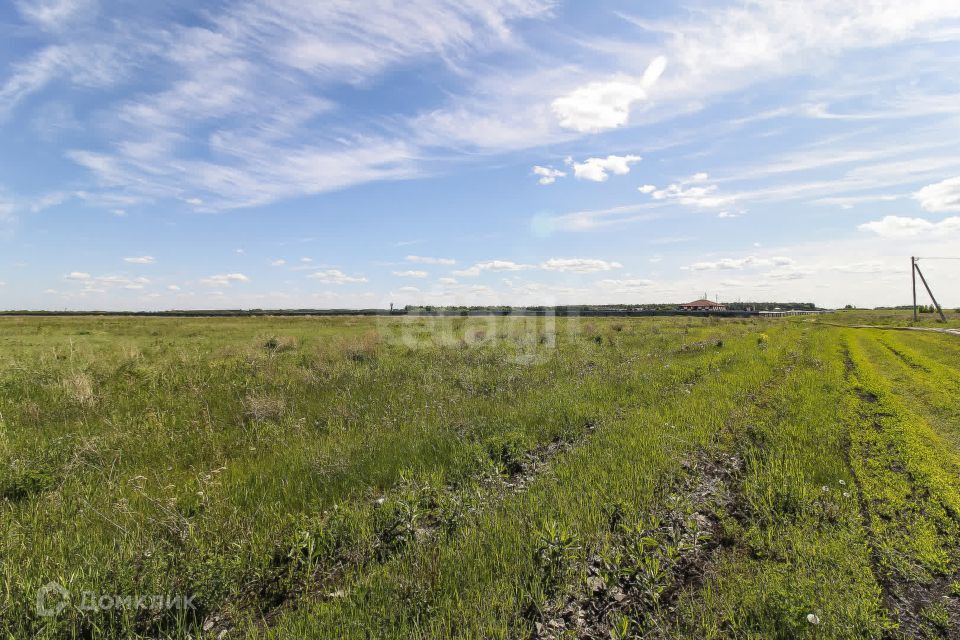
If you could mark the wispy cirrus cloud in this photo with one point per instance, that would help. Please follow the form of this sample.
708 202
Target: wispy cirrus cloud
55 15
267 65
706 54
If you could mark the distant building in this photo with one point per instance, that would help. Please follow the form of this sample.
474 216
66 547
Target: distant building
703 305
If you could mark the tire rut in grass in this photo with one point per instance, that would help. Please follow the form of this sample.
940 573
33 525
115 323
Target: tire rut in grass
632 588
904 357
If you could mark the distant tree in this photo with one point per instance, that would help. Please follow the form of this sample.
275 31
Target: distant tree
849 306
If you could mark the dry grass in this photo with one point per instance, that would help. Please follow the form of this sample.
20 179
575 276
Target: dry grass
261 406
79 387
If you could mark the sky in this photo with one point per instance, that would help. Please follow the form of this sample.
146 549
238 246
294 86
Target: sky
348 153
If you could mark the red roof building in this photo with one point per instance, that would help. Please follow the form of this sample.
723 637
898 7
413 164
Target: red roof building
703 305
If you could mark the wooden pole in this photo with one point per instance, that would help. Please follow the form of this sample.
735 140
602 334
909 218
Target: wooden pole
913 277
935 303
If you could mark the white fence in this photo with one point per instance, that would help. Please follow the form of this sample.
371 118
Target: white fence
780 314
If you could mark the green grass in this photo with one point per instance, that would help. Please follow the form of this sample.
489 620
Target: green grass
481 478
893 318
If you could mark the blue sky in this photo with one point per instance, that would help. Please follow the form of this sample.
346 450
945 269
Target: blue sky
353 154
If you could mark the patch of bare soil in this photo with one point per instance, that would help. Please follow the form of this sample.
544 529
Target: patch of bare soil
925 610
632 586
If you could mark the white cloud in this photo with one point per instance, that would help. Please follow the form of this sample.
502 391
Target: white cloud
740 263
548 175
493 265
942 196
579 265
647 188
335 276
447 280
173 287
278 263
101 284
306 260
411 274
688 192
224 279
606 104
598 169
428 260
140 260
629 285
903 227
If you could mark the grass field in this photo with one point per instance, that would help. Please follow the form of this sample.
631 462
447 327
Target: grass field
490 478
894 317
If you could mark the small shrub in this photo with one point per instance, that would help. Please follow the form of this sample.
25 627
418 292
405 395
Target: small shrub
556 548
507 452
279 344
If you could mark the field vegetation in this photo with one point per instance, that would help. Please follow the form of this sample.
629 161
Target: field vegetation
896 317
478 478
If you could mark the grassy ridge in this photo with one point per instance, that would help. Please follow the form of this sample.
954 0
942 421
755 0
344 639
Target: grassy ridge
797 563
907 475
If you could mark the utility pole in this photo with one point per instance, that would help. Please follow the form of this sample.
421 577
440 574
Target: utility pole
916 268
913 276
